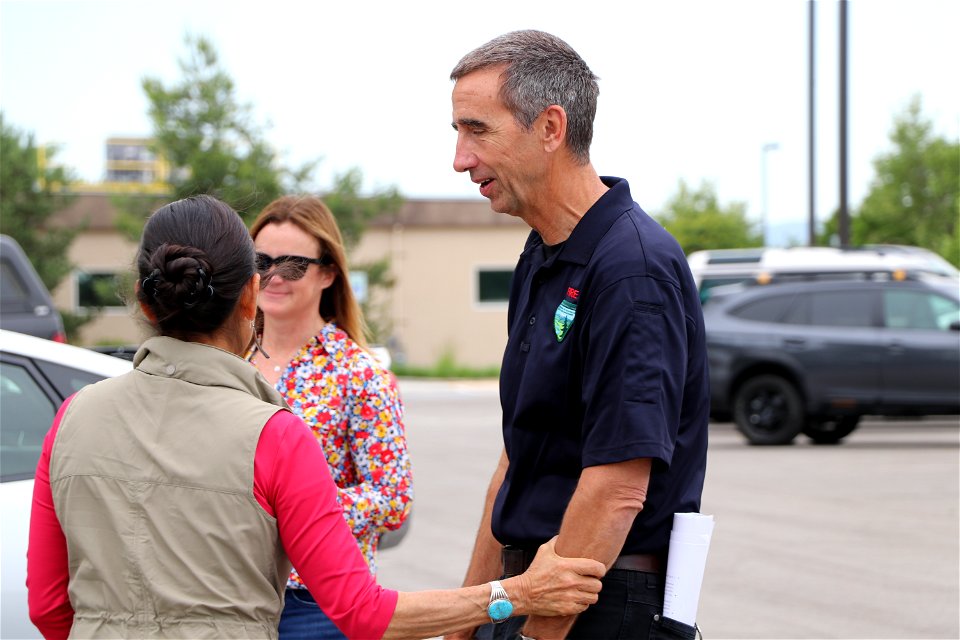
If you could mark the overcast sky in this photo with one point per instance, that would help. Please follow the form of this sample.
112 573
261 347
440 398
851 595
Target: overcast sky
689 90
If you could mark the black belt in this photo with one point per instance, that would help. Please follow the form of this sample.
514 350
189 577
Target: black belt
516 561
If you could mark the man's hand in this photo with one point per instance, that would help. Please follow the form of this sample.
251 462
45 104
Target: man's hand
556 586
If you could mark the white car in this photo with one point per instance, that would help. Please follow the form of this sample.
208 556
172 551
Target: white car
36 376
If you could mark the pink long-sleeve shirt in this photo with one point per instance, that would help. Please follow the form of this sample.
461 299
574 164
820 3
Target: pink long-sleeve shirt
285 483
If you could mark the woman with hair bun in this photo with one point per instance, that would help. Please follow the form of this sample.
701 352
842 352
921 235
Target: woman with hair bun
169 502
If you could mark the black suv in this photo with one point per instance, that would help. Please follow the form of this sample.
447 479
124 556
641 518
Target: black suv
25 303
813 357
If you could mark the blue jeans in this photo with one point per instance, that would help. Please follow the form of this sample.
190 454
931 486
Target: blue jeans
630 607
303 619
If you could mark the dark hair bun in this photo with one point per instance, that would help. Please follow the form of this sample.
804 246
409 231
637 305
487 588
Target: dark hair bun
180 280
194 260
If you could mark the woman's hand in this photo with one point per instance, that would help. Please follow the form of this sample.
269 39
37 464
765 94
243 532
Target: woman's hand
555 586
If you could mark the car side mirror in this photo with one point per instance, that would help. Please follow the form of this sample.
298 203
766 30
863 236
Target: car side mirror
955 325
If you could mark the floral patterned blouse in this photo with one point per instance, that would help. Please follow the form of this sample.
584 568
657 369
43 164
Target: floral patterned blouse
353 407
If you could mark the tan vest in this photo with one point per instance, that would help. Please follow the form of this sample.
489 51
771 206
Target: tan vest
152 479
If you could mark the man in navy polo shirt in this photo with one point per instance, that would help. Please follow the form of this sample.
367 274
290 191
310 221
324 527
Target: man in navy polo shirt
604 379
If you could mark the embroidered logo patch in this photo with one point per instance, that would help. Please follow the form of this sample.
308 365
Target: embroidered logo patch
563 318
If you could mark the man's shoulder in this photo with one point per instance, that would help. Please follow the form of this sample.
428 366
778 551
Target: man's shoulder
636 244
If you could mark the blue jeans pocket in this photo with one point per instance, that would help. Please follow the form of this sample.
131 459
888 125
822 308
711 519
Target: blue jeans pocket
303 619
664 628
302 597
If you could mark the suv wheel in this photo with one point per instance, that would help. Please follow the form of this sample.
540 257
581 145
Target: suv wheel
768 410
830 430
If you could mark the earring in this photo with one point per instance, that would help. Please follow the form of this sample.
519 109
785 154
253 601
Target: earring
256 340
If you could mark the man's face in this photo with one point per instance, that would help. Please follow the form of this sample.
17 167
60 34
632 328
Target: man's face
504 159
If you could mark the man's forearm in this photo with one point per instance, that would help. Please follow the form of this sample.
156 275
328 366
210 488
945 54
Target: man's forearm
595 525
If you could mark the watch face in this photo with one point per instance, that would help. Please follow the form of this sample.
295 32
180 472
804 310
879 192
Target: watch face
500 610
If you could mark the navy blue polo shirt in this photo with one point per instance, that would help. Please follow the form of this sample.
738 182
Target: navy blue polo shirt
605 362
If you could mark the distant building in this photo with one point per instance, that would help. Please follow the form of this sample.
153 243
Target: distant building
134 160
451 262
132 166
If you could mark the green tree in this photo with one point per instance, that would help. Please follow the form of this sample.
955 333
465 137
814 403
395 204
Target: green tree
353 211
31 192
698 221
210 141
914 198
213 146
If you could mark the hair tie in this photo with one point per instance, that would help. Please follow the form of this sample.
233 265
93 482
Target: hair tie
202 293
149 284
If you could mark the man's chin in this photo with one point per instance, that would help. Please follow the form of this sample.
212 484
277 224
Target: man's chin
499 206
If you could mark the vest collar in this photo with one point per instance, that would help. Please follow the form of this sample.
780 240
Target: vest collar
203 365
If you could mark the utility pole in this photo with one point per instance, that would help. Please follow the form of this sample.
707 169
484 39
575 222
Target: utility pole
844 221
811 129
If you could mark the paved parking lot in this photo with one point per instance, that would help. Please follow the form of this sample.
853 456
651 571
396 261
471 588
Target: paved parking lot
860 540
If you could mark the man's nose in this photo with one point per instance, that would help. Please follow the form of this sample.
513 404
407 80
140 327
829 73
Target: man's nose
463 158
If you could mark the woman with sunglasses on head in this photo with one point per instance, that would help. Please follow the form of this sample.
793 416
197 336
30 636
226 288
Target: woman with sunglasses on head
170 501
313 331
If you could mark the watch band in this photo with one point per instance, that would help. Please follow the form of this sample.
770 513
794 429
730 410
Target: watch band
500 608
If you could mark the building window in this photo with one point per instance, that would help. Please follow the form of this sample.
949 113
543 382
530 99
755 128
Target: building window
98 290
129 175
493 285
140 152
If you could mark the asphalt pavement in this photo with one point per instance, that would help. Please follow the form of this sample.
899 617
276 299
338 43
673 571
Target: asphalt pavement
857 540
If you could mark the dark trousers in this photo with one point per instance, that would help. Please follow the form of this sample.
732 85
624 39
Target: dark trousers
630 607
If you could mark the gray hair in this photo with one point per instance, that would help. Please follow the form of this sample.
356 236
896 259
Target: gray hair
541 70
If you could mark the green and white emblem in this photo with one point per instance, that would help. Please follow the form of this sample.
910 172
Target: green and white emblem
566 312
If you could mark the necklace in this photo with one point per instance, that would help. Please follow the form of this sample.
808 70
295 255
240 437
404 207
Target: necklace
277 368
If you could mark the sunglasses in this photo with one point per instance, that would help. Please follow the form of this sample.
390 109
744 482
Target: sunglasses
288 267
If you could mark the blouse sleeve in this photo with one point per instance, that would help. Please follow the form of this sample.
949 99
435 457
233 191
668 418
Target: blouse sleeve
381 499
48 574
313 531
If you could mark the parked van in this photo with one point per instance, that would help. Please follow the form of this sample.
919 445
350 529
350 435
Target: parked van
25 303
718 267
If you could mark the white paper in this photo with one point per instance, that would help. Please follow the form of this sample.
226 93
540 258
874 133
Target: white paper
687 559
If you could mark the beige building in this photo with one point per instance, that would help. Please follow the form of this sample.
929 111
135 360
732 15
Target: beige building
451 261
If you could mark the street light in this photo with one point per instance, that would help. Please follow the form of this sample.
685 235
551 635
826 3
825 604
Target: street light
769 146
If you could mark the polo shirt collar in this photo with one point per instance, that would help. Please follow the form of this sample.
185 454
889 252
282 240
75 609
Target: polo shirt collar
595 223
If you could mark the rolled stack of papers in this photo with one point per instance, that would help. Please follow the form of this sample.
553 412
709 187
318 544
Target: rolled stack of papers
689 542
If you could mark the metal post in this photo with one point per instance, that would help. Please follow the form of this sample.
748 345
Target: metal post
844 215
811 129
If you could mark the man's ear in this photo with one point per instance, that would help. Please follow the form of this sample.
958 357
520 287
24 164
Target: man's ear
552 125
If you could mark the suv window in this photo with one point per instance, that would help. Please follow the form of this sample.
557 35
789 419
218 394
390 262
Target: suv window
841 308
820 308
13 293
768 309
918 310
